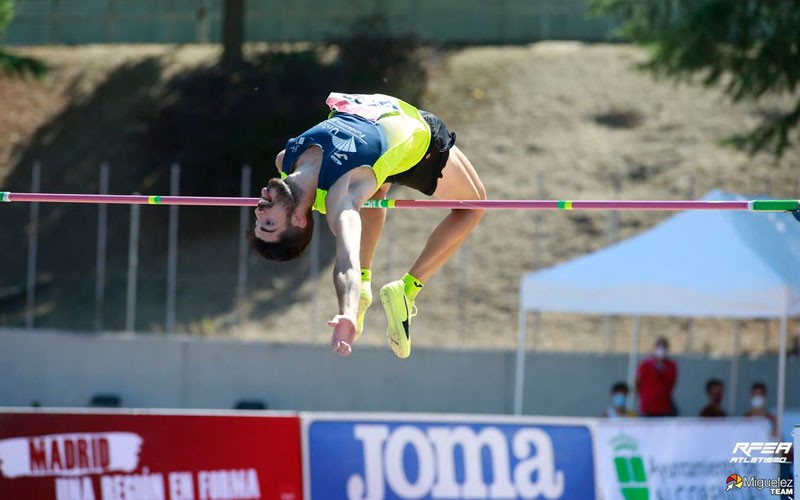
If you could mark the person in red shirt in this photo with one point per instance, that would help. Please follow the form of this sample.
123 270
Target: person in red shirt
655 380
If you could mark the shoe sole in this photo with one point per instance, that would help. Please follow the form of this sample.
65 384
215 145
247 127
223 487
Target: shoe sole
400 346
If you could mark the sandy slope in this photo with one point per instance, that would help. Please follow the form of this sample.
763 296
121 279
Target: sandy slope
521 114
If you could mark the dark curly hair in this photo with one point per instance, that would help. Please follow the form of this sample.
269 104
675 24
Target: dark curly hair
290 245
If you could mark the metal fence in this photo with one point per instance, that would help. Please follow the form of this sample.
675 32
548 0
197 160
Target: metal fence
200 21
169 281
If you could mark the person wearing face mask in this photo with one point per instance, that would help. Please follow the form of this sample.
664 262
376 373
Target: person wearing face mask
655 381
619 399
714 391
758 404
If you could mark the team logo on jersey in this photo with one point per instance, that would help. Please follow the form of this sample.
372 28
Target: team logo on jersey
346 145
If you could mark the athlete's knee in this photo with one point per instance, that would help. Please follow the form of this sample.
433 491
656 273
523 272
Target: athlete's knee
471 216
381 192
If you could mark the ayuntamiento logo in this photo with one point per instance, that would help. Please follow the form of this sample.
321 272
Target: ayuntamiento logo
631 474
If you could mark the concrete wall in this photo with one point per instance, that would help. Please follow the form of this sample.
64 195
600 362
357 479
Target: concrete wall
148 371
186 21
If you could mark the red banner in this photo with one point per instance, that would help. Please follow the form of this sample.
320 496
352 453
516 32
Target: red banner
149 456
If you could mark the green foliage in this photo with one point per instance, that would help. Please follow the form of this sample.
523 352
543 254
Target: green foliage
15 65
751 48
6 13
11 64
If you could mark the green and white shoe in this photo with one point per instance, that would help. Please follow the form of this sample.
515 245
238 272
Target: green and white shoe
364 301
399 311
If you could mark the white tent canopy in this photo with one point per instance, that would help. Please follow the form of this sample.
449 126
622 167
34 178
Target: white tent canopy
719 264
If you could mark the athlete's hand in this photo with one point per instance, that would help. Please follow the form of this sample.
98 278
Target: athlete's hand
344 333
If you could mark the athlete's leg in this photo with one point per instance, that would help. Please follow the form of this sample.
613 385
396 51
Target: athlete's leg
372 221
459 181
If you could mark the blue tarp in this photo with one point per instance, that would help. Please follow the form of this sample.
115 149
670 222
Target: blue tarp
695 264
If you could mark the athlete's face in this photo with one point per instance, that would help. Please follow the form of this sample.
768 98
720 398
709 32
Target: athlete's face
274 210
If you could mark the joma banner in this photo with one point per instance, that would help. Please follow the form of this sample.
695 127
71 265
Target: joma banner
148 456
361 457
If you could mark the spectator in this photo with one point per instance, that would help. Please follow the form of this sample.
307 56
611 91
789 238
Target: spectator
714 391
758 405
619 400
655 380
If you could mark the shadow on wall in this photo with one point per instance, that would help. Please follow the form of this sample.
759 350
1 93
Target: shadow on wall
209 120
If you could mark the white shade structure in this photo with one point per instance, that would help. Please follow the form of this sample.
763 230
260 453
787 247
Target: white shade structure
695 264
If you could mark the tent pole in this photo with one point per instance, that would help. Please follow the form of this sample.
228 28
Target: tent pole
781 378
632 363
734 377
519 376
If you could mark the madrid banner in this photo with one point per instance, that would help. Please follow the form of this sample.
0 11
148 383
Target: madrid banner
426 456
149 456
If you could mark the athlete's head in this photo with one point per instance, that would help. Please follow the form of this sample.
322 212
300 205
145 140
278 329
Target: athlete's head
282 229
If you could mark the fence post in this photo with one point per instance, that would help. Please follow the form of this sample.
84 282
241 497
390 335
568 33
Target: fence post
537 249
202 22
462 292
102 234
241 288
172 249
133 267
734 373
33 248
110 21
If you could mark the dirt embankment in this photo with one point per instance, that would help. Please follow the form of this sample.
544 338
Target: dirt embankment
551 120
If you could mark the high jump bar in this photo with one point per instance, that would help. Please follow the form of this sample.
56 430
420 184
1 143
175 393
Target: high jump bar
216 201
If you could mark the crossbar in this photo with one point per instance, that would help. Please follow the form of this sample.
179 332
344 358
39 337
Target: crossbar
601 205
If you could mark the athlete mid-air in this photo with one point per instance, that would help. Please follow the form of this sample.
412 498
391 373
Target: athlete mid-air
367 143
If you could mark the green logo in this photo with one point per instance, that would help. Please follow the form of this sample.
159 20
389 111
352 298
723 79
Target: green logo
630 468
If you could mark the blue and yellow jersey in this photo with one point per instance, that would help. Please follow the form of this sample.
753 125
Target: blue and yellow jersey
377 131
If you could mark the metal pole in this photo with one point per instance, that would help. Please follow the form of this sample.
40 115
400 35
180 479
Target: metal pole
611 237
519 374
781 378
33 248
734 381
133 267
632 361
172 249
766 335
202 22
110 21
689 334
102 235
462 292
537 259
244 222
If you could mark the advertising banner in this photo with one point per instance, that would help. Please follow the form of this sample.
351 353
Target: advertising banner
424 456
676 459
148 456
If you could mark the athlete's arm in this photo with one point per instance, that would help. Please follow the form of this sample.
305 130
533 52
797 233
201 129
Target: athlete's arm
279 161
343 204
